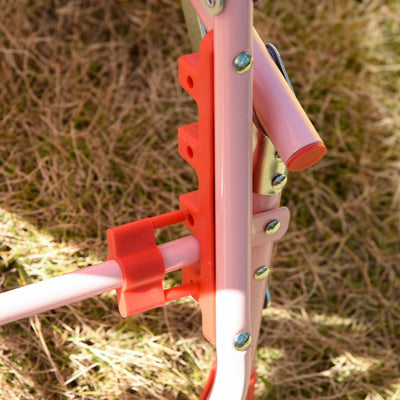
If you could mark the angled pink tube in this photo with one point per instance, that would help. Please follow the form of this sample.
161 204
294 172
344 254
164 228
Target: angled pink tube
277 108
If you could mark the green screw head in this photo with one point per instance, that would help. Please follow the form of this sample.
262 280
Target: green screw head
279 181
242 341
243 62
261 273
272 227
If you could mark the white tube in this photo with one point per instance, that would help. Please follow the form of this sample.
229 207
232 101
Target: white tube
59 291
180 253
233 159
86 282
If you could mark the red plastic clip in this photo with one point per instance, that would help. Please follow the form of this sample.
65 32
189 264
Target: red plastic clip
134 247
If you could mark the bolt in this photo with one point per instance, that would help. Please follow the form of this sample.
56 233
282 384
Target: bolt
272 227
261 273
242 341
279 181
213 7
243 62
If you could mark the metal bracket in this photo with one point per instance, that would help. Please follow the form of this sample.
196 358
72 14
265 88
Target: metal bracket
269 171
279 218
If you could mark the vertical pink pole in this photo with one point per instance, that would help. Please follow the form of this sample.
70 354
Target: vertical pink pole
233 161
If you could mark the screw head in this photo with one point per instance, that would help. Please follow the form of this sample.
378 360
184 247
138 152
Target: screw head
272 227
213 7
242 341
279 181
261 273
243 62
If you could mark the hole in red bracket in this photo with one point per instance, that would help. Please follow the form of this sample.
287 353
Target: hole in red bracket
190 219
189 151
190 82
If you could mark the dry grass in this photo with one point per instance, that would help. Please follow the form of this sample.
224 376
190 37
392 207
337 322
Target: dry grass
90 105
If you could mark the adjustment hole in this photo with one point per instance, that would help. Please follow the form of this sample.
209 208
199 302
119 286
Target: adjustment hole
190 219
189 151
190 82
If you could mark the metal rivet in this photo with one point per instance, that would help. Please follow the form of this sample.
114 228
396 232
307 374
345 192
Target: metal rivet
243 62
242 341
272 227
261 273
213 7
279 181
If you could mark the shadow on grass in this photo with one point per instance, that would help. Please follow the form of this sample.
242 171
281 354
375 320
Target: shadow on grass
162 354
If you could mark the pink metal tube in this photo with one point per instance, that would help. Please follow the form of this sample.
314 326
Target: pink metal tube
86 282
180 253
281 115
233 160
277 108
59 291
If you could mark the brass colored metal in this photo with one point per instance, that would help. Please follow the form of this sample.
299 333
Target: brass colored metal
269 171
213 7
194 26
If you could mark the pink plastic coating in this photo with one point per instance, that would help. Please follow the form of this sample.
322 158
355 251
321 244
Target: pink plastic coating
233 162
59 291
277 108
86 282
180 253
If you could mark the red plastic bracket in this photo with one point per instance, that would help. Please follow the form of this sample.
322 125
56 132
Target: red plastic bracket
196 146
134 247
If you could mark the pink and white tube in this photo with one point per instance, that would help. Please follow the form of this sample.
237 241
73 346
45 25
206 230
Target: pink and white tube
233 163
86 282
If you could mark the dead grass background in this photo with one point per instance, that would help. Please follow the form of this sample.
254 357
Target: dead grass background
89 110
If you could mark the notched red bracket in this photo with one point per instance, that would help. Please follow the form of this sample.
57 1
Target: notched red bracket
196 146
133 245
